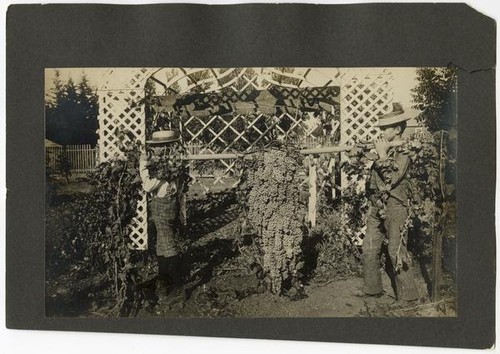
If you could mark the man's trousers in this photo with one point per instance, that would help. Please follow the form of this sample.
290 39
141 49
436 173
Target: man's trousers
376 227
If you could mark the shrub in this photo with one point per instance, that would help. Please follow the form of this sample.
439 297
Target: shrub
96 233
335 249
64 164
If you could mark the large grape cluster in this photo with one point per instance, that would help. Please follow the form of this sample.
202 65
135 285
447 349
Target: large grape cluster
275 211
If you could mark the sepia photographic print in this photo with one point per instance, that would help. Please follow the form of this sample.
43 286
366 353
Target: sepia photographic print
252 192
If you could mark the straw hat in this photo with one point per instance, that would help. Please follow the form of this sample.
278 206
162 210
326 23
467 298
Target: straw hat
397 115
164 137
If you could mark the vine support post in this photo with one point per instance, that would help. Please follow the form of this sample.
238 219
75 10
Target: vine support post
331 169
437 237
436 265
312 193
183 210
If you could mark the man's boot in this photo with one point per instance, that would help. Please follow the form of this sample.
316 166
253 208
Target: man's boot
162 283
174 271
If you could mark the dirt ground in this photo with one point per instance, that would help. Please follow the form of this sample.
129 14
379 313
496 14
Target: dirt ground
333 299
229 291
218 283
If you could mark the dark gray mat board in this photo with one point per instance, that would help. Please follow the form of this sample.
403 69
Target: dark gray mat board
370 35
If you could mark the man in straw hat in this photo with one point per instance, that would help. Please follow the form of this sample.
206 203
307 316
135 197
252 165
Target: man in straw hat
164 211
389 177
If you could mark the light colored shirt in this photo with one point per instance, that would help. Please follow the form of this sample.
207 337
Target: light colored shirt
158 188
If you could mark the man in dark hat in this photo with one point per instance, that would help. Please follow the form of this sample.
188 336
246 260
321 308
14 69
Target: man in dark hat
164 211
388 189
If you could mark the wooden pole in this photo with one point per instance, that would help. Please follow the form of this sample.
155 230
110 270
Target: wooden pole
437 237
331 169
436 265
212 156
312 193
326 150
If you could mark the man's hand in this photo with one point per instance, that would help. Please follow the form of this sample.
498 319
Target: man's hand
382 146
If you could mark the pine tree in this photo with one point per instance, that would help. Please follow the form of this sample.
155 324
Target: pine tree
71 112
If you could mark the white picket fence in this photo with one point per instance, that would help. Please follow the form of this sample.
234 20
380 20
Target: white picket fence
82 158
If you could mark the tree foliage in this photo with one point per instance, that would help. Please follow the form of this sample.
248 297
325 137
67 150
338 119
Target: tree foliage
71 112
435 97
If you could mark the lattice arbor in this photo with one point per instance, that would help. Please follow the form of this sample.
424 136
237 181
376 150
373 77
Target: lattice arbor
244 109
239 110
118 109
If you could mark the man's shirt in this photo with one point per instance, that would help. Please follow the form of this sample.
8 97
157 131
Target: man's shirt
396 181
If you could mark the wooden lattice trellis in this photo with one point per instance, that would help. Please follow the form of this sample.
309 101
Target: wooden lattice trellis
364 94
240 136
118 110
241 109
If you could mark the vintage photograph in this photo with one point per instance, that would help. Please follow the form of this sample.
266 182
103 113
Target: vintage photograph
259 192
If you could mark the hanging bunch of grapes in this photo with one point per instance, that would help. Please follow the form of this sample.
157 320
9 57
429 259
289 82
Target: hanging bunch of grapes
166 162
277 214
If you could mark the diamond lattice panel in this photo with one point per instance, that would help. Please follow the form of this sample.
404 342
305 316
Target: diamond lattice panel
118 110
365 95
363 98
